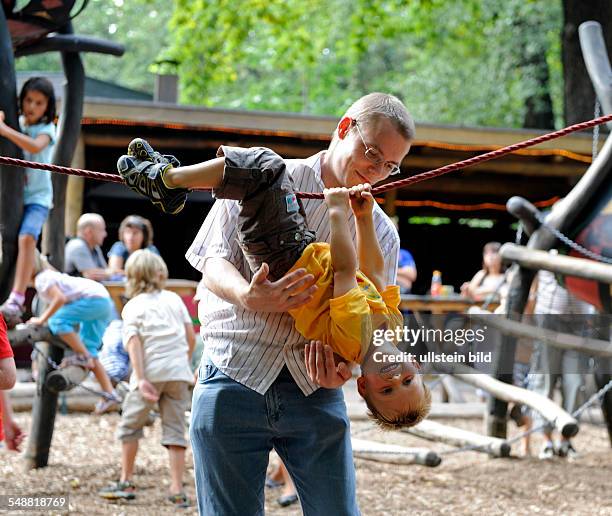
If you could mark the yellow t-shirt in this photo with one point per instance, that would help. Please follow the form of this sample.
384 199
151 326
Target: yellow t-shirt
347 322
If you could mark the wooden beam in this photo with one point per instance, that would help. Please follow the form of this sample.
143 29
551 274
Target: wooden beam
566 265
564 422
394 454
567 341
438 432
66 378
524 165
312 126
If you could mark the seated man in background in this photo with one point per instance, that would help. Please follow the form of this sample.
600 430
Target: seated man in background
83 255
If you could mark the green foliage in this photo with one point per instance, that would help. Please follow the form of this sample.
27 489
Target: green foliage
466 61
140 25
471 62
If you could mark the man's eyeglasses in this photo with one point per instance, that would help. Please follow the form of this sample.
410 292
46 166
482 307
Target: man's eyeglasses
376 157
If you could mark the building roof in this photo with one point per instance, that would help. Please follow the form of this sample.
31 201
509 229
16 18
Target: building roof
94 88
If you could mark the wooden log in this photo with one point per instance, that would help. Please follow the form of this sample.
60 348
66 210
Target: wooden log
597 347
438 432
29 334
75 400
66 378
394 454
566 265
564 422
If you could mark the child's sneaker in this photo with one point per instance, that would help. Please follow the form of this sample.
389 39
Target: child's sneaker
119 490
566 450
106 404
547 452
180 500
12 313
143 171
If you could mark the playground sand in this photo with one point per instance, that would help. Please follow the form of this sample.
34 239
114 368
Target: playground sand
85 457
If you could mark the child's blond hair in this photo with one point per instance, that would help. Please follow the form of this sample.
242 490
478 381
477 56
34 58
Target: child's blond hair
146 272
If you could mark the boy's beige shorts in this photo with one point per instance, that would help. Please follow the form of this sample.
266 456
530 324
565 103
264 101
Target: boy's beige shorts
174 400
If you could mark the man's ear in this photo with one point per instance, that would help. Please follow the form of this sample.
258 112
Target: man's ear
344 126
361 386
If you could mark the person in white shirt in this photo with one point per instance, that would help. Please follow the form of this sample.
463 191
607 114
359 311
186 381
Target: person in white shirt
158 335
256 391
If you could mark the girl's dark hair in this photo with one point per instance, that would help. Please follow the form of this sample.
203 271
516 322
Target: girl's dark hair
45 87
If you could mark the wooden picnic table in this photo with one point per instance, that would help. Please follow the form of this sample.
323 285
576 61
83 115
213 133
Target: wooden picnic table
184 288
437 304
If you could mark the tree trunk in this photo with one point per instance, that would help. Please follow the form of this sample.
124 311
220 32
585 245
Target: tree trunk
579 97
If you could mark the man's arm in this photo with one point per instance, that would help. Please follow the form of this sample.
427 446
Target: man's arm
260 295
8 373
190 334
322 367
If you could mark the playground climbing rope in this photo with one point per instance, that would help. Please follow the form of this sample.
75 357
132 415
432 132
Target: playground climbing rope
102 176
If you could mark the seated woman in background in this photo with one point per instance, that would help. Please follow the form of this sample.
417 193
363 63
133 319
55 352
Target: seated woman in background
135 232
488 280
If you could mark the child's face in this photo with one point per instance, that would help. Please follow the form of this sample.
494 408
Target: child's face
395 389
34 106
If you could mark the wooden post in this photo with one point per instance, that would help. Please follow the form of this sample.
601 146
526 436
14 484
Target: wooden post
44 409
74 192
69 130
11 178
566 265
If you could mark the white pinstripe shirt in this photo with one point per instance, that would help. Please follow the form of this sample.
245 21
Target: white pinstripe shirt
252 347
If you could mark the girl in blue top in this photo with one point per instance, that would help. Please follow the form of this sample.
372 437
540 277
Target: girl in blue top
36 139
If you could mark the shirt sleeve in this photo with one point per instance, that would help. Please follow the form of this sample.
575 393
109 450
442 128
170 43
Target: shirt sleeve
117 249
217 237
5 347
132 322
50 130
43 282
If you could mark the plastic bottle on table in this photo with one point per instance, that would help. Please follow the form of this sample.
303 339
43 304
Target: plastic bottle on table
436 284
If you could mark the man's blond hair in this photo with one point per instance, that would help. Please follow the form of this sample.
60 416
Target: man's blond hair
377 105
146 272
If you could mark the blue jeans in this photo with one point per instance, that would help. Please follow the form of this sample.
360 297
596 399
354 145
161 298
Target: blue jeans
233 429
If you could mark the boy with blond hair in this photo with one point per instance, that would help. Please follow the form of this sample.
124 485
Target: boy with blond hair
159 337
